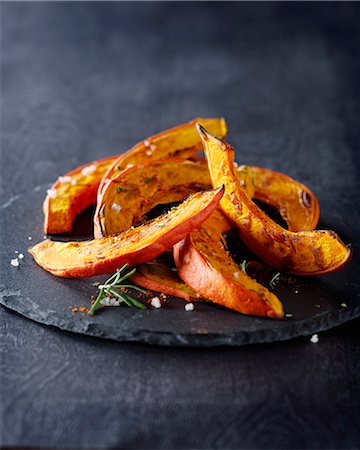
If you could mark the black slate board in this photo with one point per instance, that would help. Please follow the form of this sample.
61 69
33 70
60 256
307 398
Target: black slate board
316 304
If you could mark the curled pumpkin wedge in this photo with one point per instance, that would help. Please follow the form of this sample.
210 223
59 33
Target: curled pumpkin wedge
160 278
75 191
205 265
295 202
302 253
134 246
179 142
136 190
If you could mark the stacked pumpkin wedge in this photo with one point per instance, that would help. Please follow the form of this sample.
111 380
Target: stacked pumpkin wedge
212 196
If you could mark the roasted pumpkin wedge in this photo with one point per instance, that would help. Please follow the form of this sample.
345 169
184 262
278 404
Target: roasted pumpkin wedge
302 253
136 190
158 277
296 203
71 194
205 265
75 191
179 142
134 246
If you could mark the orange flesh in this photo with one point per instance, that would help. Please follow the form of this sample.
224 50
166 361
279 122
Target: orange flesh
302 253
160 278
205 265
73 195
179 142
79 192
137 190
134 246
295 202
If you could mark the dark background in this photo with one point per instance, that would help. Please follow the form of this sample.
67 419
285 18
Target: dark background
80 81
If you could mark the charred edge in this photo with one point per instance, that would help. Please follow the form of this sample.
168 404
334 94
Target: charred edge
206 136
203 133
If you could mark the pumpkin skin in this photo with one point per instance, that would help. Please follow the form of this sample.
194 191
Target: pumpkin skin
134 246
301 253
205 265
158 277
78 188
296 203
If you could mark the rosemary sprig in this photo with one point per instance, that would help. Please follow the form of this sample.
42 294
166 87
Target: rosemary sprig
274 280
113 286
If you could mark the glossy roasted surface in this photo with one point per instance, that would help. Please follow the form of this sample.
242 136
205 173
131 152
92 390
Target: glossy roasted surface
78 82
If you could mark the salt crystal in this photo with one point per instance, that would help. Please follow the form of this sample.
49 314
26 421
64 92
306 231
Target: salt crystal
52 193
65 179
14 262
189 307
314 339
88 170
155 302
115 207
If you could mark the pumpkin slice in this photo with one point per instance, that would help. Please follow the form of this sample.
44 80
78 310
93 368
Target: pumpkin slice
76 190
136 190
296 203
179 142
71 194
134 246
302 253
205 265
158 277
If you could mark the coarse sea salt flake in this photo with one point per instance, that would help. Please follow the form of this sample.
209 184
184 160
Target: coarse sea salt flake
65 179
189 307
149 153
314 339
155 302
21 255
115 207
236 274
88 170
14 262
152 147
52 193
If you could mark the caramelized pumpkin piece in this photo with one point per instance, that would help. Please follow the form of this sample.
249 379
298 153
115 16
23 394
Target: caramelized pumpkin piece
301 253
296 203
76 190
205 265
71 194
179 142
136 190
160 278
134 246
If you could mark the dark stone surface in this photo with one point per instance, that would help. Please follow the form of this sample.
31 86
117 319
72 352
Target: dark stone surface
316 304
81 81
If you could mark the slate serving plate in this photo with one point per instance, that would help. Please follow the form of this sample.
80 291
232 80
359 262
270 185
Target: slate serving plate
316 304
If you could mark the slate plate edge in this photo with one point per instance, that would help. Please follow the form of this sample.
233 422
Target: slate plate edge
15 302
